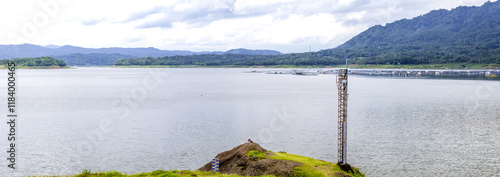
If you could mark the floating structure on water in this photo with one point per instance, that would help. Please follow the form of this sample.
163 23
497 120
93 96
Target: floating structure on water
493 73
427 73
295 72
397 72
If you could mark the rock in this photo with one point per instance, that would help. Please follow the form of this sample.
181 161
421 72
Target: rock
345 167
236 161
340 174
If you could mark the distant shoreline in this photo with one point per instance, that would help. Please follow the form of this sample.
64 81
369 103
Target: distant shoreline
38 67
354 66
451 66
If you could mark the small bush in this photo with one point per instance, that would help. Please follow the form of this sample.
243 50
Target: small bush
110 174
84 173
258 154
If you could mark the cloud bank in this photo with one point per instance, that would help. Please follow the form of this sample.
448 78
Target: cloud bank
205 25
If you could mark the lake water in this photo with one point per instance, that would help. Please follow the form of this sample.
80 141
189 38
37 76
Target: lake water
138 120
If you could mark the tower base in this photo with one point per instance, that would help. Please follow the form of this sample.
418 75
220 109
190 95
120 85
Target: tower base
344 167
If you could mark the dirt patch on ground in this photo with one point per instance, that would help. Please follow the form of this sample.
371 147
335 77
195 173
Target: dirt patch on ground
236 161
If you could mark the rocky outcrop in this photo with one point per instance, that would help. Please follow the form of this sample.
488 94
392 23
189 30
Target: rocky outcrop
236 161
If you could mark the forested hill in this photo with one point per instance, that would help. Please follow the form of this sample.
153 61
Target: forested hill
93 59
40 62
460 35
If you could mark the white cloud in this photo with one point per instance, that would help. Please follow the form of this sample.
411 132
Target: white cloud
200 25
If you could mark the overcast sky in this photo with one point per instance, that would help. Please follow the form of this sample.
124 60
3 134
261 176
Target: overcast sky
204 25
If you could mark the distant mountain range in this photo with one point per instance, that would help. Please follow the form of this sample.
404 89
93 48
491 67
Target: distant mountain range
104 56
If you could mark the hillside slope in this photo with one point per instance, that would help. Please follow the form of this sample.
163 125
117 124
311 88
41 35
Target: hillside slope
460 35
250 159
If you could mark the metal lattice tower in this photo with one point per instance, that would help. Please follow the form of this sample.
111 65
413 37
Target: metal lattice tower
342 138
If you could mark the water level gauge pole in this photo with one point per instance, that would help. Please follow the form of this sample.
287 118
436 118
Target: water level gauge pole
342 113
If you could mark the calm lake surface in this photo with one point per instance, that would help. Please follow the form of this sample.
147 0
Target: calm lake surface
139 120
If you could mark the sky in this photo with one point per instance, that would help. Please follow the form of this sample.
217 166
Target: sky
288 26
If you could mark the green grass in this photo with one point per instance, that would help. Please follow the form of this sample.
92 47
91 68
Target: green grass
310 168
156 173
254 153
313 167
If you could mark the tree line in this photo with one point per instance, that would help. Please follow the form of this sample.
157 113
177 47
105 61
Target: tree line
35 62
357 55
233 59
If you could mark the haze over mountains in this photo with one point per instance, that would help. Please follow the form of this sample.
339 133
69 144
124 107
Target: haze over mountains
104 56
29 50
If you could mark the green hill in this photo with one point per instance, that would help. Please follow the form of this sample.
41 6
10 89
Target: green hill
40 62
460 35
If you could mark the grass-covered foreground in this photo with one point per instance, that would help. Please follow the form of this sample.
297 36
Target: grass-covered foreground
311 167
